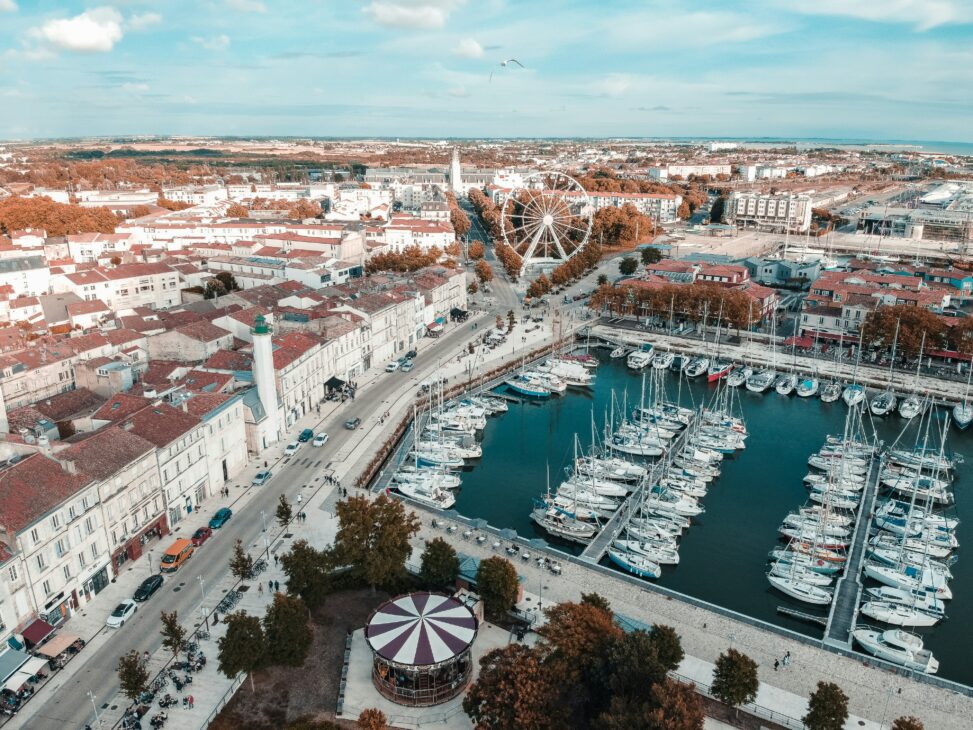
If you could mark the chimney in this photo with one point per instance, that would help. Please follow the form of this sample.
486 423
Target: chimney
128 426
69 466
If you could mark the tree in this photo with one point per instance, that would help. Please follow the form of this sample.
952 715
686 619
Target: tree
173 634
908 723
623 227
304 209
651 255
308 572
454 249
173 204
228 280
602 279
484 272
440 566
57 219
373 538
684 212
497 584
372 719
133 677
236 210
513 691
287 630
597 600
914 323
667 645
241 564
214 289
628 266
511 320
827 708
735 678
476 250
668 705
473 288
632 665
243 647
284 511
115 260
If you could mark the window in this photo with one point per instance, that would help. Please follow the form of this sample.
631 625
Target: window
46 586
13 573
67 572
89 524
71 513
94 549
41 563
35 536
82 559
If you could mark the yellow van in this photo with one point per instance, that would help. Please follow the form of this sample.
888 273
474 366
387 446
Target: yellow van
178 553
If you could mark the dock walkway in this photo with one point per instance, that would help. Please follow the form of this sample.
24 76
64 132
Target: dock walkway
844 607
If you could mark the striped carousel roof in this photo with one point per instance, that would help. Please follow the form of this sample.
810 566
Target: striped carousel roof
421 629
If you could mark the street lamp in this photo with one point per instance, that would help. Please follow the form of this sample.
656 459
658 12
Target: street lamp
202 593
202 610
263 519
91 696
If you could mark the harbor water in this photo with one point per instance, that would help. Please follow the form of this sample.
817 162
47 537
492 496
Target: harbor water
723 556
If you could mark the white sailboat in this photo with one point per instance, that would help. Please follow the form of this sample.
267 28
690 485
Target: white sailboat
898 647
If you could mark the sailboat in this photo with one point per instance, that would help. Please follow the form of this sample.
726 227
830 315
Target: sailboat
786 384
963 411
898 647
634 563
738 376
808 387
912 406
800 589
831 392
662 360
885 402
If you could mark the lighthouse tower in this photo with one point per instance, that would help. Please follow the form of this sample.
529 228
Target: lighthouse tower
456 173
265 377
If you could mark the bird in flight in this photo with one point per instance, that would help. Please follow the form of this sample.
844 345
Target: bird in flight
504 64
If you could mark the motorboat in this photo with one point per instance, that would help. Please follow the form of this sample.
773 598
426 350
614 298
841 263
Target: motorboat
853 394
808 387
639 359
898 647
657 552
883 403
429 496
634 563
910 407
718 369
761 380
556 523
662 360
786 384
530 387
738 376
920 599
696 367
831 392
428 478
553 383
570 372
620 352
801 590
464 452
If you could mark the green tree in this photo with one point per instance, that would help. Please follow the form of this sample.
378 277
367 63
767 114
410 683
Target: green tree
133 677
667 645
602 279
241 564
308 573
513 690
173 634
497 584
243 647
373 538
284 511
214 289
735 678
651 255
440 565
827 708
287 630
228 280
628 266
908 723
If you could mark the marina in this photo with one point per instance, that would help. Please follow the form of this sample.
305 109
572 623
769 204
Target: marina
722 556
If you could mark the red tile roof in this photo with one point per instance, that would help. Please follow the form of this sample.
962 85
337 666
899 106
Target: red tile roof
161 424
33 487
229 360
120 406
105 452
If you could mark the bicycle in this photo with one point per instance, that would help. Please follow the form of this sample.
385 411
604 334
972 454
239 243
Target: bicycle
202 634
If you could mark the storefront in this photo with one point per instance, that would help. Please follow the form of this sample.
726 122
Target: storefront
133 549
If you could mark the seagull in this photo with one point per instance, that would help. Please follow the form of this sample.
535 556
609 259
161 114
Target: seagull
504 64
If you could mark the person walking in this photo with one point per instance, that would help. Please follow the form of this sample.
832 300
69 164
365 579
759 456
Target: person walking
192 702
260 588
276 586
270 586
776 665
276 560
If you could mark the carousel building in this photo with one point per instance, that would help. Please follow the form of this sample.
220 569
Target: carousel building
421 646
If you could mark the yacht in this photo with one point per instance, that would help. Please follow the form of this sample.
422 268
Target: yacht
697 366
883 404
718 370
920 599
429 496
527 386
808 387
636 564
760 381
831 392
555 523
640 359
662 360
738 376
910 407
786 384
898 647
853 394
620 352
801 590
663 553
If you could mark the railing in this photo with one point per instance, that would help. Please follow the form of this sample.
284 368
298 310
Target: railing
751 707
426 718
231 690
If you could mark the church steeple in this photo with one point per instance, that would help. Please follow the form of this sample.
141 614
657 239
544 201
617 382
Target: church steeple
455 173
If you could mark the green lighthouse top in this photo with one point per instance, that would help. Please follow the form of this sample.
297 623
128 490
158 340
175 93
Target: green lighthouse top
260 326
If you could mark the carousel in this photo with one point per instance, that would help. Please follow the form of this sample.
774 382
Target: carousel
420 646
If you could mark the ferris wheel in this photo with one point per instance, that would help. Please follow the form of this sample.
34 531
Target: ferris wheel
548 219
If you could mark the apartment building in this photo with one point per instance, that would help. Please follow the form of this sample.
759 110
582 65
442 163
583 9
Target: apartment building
778 212
126 286
195 194
684 172
27 276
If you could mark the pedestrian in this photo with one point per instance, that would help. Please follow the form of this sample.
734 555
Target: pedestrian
277 586
270 586
300 498
776 665
260 588
145 657
192 701
304 514
276 560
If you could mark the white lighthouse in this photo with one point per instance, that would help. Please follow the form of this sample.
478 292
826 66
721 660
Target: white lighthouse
265 377
455 173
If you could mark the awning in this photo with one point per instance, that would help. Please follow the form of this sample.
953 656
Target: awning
948 355
10 661
334 383
58 645
435 327
833 337
799 342
23 675
37 632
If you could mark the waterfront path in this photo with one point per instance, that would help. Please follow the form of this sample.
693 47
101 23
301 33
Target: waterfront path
759 355
875 694
844 607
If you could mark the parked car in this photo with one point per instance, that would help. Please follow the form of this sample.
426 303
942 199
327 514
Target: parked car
306 435
407 366
392 367
178 553
352 423
411 355
320 440
149 586
262 478
220 518
292 448
122 613
201 535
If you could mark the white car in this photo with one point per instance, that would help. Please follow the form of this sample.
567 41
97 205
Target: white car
320 440
122 613
292 448
392 367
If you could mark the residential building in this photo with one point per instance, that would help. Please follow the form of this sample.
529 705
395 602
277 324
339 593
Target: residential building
766 211
126 286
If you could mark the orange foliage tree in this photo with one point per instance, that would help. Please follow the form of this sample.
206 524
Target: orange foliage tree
622 228
476 250
236 210
302 209
514 691
484 272
692 302
412 258
173 204
58 219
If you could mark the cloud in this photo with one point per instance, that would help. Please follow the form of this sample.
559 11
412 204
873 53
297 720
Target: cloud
614 85
411 13
468 48
924 14
143 21
135 88
8 6
93 31
213 43
246 6
459 92
657 108
297 55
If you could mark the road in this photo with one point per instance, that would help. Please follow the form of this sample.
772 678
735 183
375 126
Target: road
70 705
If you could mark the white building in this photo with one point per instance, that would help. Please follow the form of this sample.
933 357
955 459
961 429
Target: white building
195 194
29 276
126 286
668 172
772 212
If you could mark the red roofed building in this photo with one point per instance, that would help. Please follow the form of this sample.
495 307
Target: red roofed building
153 285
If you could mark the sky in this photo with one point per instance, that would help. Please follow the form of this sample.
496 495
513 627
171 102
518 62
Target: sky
862 69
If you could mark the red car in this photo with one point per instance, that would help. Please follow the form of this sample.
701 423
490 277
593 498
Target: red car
201 535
